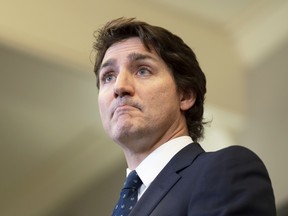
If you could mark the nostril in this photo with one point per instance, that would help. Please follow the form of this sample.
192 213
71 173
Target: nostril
121 92
124 84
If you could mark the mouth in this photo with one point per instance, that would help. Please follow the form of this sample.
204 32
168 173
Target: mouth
124 108
120 108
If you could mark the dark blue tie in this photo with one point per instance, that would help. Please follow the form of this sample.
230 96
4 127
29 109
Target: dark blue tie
128 195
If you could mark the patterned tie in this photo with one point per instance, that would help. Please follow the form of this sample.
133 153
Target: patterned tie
128 195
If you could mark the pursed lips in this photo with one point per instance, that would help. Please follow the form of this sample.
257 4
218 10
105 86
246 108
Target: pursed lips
124 107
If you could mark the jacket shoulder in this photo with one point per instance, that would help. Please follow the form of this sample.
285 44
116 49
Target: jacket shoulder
236 177
233 154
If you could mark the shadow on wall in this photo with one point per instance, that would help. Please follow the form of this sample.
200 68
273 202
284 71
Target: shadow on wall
98 198
283 210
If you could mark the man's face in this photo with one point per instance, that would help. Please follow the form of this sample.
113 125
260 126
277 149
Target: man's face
138 98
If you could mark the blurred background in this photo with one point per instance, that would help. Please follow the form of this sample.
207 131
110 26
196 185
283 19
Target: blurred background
55 159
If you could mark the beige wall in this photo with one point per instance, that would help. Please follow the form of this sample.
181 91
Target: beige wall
53 151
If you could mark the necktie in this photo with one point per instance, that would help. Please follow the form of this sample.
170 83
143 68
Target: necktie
128 195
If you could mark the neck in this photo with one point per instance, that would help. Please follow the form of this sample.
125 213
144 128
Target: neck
135 154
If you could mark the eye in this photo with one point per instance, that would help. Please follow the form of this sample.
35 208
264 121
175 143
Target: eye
144 71
108 77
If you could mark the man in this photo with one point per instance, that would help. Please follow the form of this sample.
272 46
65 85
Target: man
151 96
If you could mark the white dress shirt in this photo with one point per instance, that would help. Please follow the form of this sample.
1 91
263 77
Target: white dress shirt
152 165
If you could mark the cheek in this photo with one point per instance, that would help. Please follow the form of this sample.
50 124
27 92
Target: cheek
165 97
103 107
167 92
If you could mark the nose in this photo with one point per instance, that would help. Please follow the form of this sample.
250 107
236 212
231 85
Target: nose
124 84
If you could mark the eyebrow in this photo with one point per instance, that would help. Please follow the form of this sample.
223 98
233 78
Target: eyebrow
108 63
132 57
139 56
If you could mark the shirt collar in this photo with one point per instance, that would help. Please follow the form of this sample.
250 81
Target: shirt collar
152 165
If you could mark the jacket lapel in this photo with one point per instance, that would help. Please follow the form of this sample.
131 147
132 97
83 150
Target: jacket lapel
165 180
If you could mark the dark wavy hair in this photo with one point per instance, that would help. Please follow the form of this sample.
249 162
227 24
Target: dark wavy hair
176 54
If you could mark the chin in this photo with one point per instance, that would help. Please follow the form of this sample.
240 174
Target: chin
126 135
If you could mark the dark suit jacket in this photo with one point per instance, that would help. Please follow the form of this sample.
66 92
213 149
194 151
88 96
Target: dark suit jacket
232 181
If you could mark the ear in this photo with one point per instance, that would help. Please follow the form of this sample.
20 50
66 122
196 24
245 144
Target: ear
187 100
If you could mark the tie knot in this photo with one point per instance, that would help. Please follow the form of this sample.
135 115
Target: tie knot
132 181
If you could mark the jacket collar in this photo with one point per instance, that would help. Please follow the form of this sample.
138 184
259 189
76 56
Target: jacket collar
166 179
